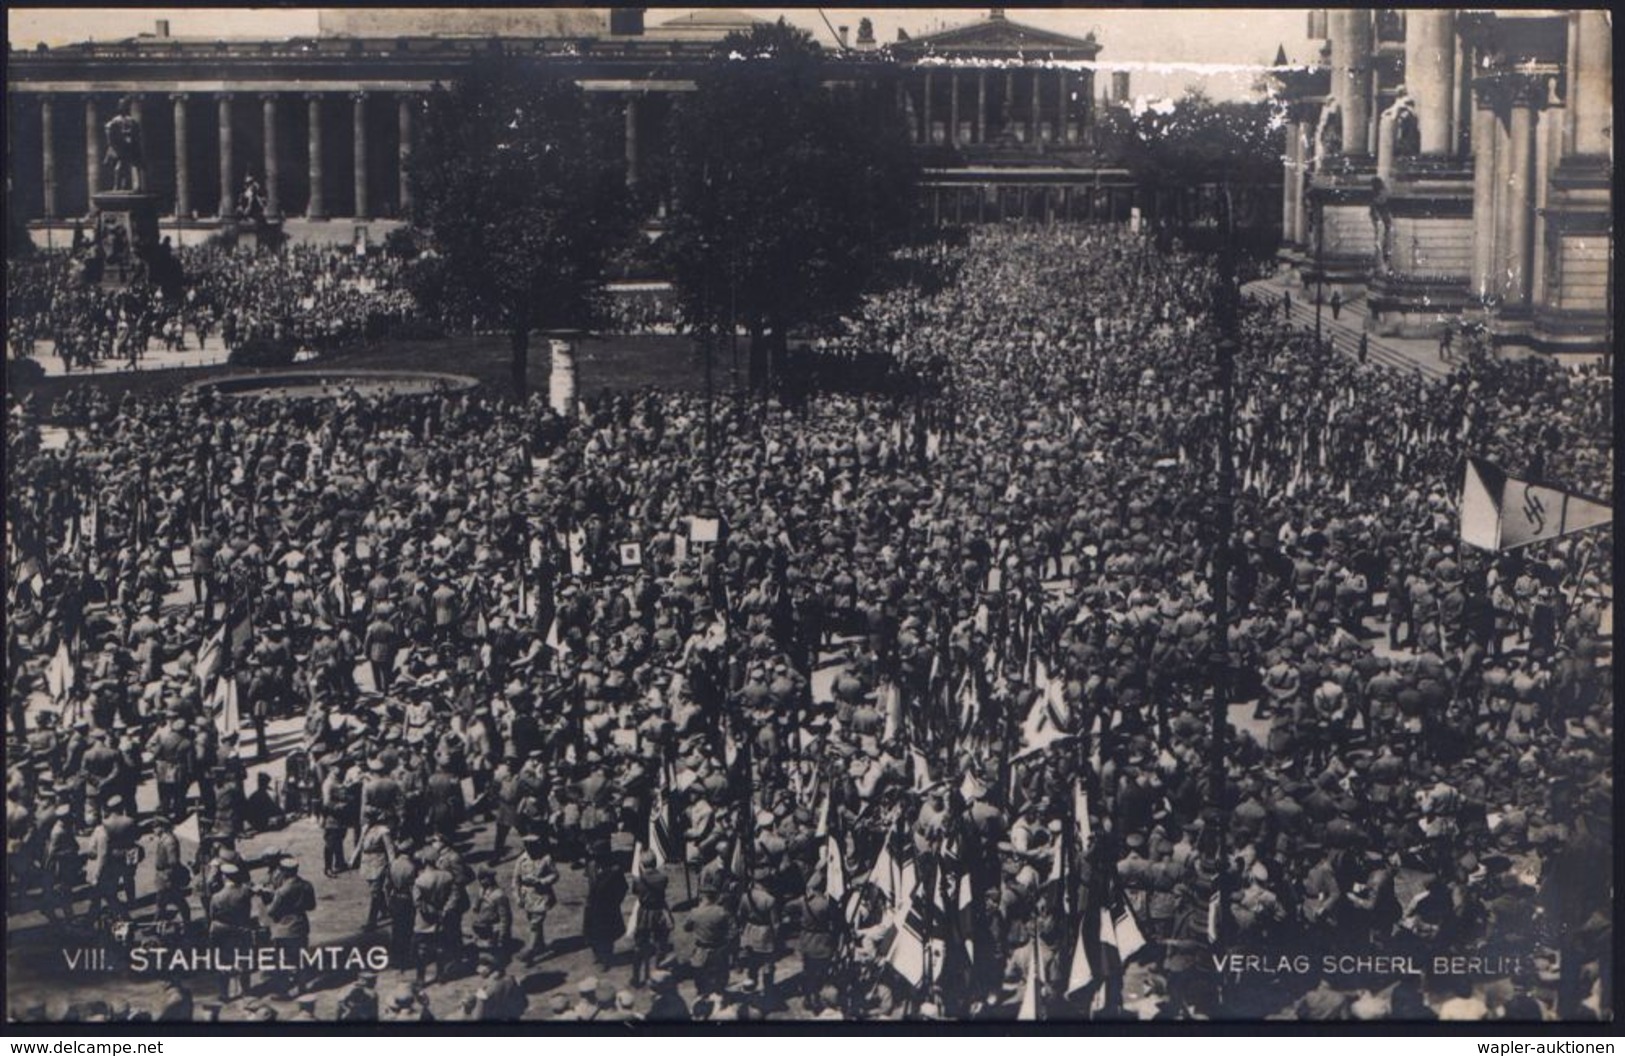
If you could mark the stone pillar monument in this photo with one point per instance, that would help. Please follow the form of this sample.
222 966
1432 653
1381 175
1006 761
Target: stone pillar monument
561 382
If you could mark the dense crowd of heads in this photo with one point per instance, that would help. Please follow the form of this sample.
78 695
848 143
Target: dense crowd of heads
963 637
319 299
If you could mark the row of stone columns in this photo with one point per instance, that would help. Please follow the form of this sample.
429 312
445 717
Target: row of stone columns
1352 39
1505 123
1430 70
271 162
1588 123
980 127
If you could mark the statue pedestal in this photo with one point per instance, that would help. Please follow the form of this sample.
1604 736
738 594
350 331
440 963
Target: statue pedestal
135 211
128 219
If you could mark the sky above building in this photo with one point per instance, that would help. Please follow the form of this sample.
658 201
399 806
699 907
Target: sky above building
1166 50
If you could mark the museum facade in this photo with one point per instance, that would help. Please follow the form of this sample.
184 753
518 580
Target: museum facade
1449 166
1001 112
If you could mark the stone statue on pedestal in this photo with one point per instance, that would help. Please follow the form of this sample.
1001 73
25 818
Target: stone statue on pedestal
125 160
251 203
1382 226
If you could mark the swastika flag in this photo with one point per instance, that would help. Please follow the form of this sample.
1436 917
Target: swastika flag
1500 512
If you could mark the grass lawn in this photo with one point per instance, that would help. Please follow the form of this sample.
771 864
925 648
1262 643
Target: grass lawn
613 362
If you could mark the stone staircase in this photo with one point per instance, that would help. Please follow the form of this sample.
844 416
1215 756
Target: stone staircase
1344 334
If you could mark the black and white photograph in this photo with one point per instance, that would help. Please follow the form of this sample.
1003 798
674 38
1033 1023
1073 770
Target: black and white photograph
633 517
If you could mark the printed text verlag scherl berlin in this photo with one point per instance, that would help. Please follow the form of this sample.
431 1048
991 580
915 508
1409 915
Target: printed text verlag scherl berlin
1362 964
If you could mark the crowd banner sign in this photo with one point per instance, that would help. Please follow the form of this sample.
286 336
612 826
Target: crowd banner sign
1502 512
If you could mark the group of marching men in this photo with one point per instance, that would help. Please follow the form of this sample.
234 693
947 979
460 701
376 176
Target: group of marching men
923 729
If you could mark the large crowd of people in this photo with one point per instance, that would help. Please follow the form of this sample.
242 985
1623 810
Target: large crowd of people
314 298
870 707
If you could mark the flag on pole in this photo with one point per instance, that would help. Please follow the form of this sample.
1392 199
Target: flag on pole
637 904
228 717
1029 992
554 642
1080 812
59 673
889 698
1082 973
1040 730
661 844
885 875
209 658
1500 511
968 705
966 904
242 629
922 770
920 949
1129 940
834 870
907 955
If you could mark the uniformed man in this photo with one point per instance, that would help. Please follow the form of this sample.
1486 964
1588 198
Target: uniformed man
821 927
715 933
534 877
445 802
431 894
170 874
262 812
602 923
451 863
287 909
492 920
172 754
174 1004
231 926
499 998
336 807
115 850
359 1004
372 856
667 1005
652 933
759 941
407 1004
20 844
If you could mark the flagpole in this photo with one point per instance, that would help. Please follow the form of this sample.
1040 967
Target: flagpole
1229 296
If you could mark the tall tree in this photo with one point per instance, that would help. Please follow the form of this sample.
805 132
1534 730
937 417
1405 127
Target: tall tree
791 193
1196 140
518 186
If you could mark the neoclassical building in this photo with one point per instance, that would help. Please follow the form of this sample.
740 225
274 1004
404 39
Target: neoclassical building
325 123
1448 165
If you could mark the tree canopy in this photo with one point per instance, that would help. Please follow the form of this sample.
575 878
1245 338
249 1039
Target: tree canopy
790 193
518 185
1196 140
